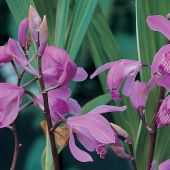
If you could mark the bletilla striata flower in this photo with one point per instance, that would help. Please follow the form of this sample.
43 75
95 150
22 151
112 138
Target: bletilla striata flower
161 62
163 166
10 99
163 116
93 132
60 103
59 69
119 71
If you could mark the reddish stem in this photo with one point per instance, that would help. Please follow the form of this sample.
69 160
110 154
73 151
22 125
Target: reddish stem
152 136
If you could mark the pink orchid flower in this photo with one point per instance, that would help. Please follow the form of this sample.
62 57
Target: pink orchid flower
119 71
161 63
93 131
163 116
59 69
4 55
22 32
163 166
10 99
60 103
18 56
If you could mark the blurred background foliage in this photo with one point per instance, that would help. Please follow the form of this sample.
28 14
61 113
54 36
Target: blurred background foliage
93 32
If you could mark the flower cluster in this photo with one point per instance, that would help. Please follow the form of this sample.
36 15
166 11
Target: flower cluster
55 72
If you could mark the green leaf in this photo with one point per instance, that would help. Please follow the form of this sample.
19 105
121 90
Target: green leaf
47 159
19 9
81 17
100 100
61 21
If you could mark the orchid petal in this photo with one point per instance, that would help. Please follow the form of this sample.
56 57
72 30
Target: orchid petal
101 69
4 55
164 165
43 37
80 75
22 32
159 23
34 23
68 74
80 155
18 55
74 106
107 108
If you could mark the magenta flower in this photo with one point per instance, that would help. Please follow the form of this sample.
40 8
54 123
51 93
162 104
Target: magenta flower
22 32
60 103
159 23
163 166
18 56
10 99
163 116
139 94
119 71
59 69
160 66
93 131
4 55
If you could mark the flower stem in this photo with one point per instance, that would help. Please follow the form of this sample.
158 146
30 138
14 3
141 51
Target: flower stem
48 117
152 136
132 154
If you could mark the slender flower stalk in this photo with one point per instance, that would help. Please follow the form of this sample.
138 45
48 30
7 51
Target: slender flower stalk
152 136
48 117
132 154
26 105
30 82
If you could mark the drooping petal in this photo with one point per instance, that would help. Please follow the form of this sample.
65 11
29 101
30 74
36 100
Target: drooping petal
159 23
107 108
43 37
34 23
73 106
121 132
22 32
102 150
139 94
80 75
10 98
68 73
164 165
101 69
160 67
80 155
18 55
4 55
86 139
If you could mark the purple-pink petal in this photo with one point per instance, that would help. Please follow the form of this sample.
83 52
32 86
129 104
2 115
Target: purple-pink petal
79 154
73 106
160 67
159 23
163 116
101 69
107 108
164 165
80 75
34 23
22 32
43 37
18 55
4 55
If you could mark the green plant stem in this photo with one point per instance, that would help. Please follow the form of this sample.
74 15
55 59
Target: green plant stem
48 117
152 136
